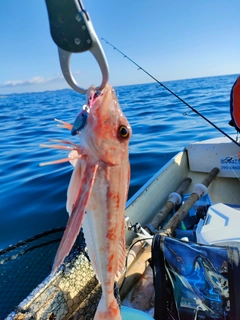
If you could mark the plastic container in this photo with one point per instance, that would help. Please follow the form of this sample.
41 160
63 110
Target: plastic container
190 234
187 228
134 314
220 225
203 203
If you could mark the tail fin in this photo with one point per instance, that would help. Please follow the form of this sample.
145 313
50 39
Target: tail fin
108 311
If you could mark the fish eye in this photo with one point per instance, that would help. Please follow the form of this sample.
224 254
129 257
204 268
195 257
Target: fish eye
123 131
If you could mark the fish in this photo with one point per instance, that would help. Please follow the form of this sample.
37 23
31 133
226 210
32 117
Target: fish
97 193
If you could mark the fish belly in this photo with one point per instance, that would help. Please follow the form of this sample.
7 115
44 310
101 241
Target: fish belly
103 227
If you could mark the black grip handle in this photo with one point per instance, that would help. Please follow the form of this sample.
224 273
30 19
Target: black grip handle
68 25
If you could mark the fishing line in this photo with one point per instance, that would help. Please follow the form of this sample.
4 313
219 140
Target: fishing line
161 84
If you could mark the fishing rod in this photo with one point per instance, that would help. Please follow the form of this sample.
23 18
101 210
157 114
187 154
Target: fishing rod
161 84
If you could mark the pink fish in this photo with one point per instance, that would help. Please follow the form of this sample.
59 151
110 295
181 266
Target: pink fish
97 194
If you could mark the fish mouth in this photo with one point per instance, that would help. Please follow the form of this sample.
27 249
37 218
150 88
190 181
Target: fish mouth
93 94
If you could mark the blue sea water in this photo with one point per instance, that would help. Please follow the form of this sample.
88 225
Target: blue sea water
33 198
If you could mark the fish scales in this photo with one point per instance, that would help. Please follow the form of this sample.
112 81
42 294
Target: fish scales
99 187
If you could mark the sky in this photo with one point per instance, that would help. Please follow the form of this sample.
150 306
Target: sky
171 39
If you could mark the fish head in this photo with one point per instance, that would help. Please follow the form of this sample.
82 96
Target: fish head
107 131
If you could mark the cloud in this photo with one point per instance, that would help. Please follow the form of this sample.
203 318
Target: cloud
33 81
76 73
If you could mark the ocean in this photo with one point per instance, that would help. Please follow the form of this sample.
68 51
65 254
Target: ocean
33 198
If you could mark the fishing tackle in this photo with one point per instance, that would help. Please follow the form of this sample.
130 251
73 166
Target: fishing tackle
81 118
72 31
174 94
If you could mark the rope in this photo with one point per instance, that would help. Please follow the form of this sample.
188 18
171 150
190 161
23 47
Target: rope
38 236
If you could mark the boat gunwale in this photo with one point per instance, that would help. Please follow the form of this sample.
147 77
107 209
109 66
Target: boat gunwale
152 179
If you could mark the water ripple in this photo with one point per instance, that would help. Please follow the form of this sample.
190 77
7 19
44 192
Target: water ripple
33 198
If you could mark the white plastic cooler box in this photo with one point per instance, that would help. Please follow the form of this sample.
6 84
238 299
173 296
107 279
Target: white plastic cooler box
222 224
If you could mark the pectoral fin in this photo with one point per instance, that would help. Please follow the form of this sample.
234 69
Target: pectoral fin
82 181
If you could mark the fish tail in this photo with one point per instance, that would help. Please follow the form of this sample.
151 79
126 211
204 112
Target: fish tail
108 311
